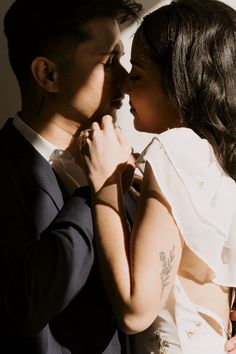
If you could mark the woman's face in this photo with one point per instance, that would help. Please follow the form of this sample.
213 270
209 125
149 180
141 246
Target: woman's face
150 106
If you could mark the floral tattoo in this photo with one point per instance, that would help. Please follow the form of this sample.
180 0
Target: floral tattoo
167 265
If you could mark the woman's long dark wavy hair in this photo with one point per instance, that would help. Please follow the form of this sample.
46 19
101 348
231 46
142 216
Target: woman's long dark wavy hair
194 44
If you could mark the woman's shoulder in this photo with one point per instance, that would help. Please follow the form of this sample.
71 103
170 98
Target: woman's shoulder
181 154
184 142
184 149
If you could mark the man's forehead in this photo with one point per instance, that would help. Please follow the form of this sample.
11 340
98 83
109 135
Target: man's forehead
117 49
104 36
106 47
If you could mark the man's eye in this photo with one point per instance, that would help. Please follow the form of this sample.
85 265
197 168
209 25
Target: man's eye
108 65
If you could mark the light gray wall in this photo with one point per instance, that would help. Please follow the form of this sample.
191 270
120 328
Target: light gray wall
9 91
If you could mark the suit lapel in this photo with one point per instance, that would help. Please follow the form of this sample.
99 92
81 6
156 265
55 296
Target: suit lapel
26 159
131 206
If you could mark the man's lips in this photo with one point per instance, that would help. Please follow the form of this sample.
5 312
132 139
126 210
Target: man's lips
117 101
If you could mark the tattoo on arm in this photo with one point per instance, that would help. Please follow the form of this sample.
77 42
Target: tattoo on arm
167 265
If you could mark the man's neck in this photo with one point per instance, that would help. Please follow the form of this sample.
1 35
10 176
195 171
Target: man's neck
56 130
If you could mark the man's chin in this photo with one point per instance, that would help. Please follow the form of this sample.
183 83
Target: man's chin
98 116
110 112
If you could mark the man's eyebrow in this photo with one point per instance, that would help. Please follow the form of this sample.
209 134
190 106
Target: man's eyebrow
118 50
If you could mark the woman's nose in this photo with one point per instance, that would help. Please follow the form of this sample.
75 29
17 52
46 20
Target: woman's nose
121 76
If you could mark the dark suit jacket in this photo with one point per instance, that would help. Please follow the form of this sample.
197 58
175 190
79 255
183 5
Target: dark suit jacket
51 297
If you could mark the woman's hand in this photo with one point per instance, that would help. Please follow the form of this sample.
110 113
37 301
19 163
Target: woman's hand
105 153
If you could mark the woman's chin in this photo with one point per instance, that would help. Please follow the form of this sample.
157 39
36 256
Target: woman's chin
138 126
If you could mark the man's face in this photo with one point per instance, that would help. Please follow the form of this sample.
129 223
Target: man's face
90 87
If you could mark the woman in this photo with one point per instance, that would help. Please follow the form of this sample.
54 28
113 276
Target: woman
169 279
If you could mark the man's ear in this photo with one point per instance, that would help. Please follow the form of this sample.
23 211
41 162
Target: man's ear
45 74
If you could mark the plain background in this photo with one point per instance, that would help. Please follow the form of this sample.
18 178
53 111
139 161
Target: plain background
9 91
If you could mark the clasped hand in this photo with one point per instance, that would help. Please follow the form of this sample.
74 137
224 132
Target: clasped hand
105 153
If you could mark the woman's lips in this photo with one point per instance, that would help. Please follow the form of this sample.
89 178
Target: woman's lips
132 110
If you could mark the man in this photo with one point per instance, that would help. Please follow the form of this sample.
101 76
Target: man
65 55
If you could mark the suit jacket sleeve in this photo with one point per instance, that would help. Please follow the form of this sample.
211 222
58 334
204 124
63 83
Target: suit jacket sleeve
45 255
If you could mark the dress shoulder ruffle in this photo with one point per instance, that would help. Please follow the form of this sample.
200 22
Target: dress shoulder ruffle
202 197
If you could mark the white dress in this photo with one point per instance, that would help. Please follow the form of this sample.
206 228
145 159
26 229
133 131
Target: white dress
203 202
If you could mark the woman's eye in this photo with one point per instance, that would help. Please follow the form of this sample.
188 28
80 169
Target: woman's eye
134 77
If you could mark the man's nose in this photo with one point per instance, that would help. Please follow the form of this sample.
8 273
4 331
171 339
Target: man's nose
125 88
121 76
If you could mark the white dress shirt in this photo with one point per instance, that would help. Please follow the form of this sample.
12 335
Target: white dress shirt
61 161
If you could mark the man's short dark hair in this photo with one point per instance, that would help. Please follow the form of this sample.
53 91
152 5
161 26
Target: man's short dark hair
54 28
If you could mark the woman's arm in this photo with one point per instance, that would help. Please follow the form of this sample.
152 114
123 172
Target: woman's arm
138 274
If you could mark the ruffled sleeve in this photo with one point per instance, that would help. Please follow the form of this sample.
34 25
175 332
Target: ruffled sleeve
201 195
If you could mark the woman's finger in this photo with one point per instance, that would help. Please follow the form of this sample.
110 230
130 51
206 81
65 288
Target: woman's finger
121 138
107 123
95 126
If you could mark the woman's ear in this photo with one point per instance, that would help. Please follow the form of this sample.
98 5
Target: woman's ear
45 73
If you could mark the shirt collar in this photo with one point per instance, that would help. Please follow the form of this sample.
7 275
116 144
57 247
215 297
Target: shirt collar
62 161
44 147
